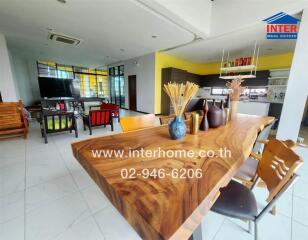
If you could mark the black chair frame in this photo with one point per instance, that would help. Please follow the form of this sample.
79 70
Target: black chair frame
87 121
68 116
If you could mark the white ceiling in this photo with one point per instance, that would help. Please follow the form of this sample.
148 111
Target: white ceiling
239 43
105 26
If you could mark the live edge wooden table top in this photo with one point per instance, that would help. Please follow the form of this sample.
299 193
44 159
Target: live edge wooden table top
169 208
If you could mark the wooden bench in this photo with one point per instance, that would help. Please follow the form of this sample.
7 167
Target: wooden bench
12 119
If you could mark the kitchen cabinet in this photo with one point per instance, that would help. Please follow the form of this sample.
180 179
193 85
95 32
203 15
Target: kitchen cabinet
254 108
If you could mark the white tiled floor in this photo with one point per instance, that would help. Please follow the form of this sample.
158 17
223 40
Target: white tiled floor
46 195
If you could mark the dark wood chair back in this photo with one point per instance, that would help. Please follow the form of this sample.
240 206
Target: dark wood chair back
57 121
100 117
166 119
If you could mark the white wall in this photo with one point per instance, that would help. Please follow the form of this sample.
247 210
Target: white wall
145 72
22 78
8 88
297 89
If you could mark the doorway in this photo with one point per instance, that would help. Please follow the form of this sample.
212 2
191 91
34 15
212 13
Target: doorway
132 92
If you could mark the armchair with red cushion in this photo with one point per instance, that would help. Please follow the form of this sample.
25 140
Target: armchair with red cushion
115 109
98 118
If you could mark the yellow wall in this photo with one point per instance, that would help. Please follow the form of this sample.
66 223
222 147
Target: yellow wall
163 60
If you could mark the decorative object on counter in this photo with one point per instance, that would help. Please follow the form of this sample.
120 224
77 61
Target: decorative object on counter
223 114
177 128
179 95
194 123
214 116
204 126
227 108
236 90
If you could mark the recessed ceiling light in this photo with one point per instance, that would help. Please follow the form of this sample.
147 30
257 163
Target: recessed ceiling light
122 50
269 49
154 36
62 1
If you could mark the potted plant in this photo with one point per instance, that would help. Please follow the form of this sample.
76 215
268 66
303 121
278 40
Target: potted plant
179 95
236 89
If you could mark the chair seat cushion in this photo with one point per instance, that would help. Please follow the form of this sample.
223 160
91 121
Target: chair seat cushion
248 170
236 201
57 124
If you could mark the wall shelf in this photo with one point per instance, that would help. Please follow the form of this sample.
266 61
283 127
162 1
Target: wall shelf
239 68
237 76
278 77
234 71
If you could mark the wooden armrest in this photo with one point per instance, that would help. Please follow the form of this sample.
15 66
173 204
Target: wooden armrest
255 156
290 144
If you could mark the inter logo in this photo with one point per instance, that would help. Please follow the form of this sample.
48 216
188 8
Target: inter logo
281 26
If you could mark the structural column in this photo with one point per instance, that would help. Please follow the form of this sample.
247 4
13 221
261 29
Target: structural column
297 89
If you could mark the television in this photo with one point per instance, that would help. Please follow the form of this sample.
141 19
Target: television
57 87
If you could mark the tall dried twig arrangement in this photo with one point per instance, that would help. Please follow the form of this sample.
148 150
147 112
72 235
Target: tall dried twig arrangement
236 88
180 94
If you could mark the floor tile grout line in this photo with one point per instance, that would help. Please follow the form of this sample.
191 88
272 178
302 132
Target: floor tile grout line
220 227
25 190
79 190
292 204
302 198
302 224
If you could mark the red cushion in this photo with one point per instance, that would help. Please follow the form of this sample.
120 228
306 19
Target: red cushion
99 117
62 105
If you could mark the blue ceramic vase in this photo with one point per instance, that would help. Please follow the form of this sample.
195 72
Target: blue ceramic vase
177 128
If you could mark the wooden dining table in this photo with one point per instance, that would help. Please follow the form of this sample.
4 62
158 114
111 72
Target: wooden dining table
168 206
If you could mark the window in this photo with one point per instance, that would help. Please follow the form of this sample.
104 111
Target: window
92 82
219 91
116 80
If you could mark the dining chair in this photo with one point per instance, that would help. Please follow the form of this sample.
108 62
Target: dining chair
166 119
132 123
277 167
187 115
247 171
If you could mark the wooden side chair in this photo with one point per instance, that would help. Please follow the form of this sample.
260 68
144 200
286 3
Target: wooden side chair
132 123
96 118
276 168
247 172
13 121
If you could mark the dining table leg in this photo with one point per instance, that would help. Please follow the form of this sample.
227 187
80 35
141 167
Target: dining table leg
197 234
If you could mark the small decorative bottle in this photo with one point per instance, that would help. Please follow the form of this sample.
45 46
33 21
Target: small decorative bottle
223 114
194 123
204 126
227 108
214 116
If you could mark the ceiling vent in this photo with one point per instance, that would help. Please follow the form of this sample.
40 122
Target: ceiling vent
63 39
